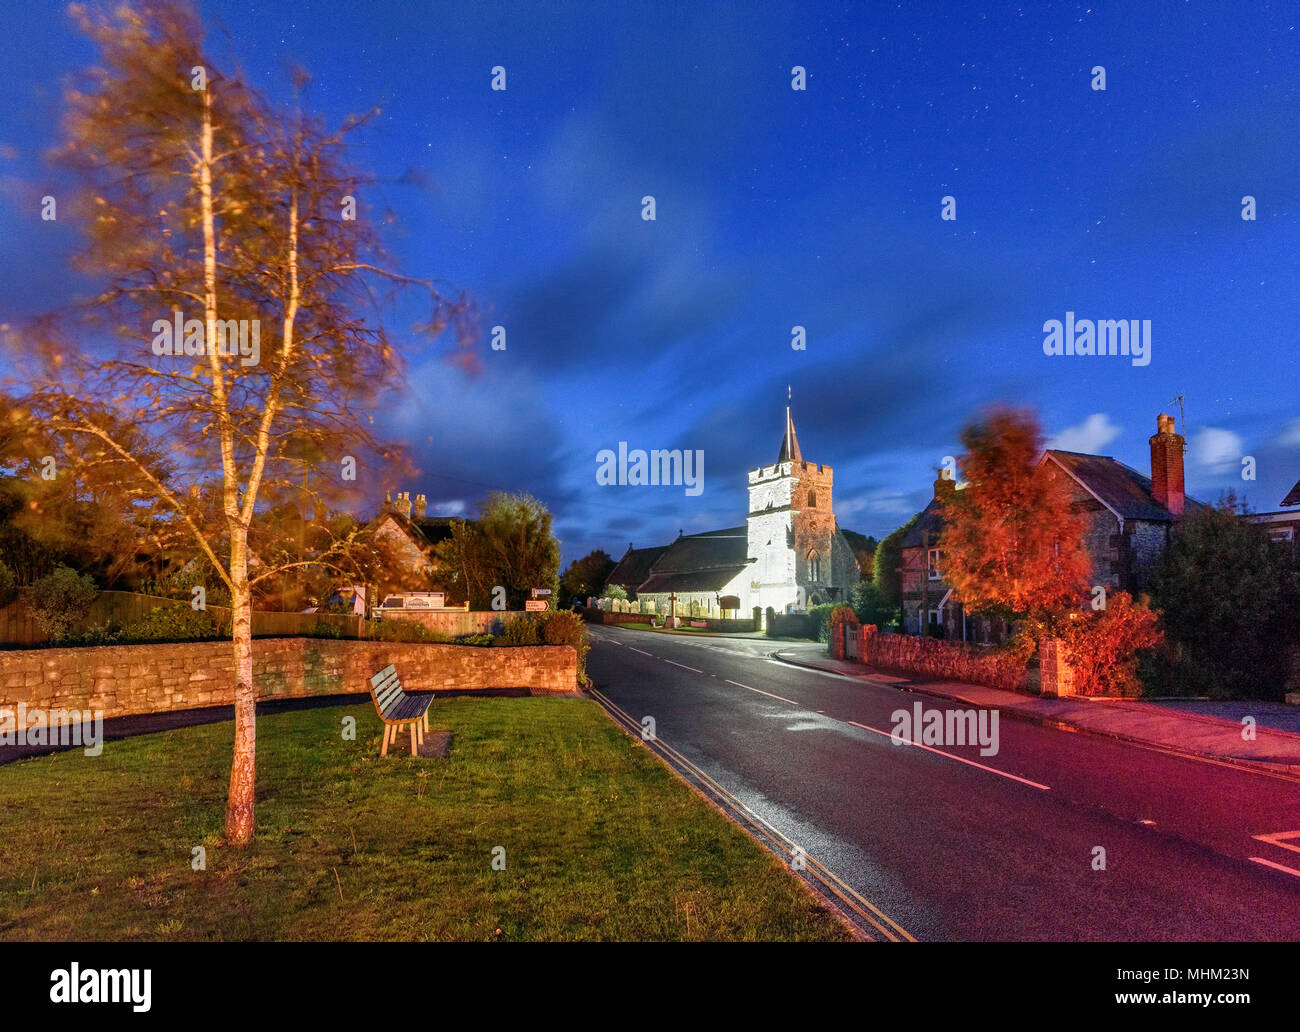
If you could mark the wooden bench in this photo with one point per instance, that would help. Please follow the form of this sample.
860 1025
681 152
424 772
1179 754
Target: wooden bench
397 707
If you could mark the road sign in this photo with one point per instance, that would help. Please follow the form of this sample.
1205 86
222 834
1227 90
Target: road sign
536 605
541 592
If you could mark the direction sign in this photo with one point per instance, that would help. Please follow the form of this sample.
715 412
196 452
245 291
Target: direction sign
541 592
536 605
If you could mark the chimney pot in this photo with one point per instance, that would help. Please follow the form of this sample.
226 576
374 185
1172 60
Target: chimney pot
1167 485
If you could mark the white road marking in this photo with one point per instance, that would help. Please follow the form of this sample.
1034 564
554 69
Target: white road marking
1273 839
1280 867
683 666
642 651
959 759
761 692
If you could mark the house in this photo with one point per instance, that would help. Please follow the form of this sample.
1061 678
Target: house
1283 527
790 553
411 537
1130 517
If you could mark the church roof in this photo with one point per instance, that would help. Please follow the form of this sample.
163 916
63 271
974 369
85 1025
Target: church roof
700 562
1294 497
634 568
789 441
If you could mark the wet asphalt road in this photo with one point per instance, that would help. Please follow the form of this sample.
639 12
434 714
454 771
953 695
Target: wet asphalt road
1001 847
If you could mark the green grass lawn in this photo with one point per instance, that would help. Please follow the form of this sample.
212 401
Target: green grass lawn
602 841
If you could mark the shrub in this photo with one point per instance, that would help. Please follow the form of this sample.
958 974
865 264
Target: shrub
61 599
100 634
8 584
324 629
522 630
844 614
870 604
1103 646
170 623
820 619
403 630
566 628
481 640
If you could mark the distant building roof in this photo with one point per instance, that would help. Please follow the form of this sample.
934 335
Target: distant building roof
1294 497
699 562
634 568
1119 487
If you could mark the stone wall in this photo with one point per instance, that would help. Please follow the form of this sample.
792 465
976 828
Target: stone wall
128 679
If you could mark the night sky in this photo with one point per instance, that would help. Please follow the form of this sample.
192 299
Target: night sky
778 208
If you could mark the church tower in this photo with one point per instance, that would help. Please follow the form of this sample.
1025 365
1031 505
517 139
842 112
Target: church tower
798 556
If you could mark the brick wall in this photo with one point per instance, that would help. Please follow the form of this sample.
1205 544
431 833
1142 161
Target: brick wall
128 679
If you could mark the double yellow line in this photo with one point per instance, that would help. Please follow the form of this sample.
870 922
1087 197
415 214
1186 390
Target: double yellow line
827 880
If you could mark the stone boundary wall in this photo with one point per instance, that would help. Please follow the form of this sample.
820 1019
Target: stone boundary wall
122 680
602 617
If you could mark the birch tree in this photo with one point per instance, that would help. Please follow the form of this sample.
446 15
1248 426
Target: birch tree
213 217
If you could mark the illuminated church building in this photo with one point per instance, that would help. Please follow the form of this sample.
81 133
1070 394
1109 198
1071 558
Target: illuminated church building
790 553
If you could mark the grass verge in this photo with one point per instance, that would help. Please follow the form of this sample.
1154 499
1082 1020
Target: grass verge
601 840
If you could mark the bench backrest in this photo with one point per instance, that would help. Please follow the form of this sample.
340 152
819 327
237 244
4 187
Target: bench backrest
387 689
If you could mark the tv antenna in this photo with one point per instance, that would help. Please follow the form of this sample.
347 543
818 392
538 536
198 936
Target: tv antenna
1182 418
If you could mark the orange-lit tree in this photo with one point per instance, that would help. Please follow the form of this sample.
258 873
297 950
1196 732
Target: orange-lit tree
1011 544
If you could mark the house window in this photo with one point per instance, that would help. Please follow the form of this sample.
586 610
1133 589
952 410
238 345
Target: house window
932 563
1282 534
936 617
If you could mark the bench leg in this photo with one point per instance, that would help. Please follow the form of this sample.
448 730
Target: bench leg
383 749
426 721
414 726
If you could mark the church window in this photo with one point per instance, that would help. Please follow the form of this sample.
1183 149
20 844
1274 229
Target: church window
812 499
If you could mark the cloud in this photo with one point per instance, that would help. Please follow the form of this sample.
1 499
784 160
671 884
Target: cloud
1290 435
1088 437
1216 451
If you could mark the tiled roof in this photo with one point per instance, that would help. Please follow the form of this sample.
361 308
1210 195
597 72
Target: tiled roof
700 562
634 567
928 521
1120 487
1294 497
714 579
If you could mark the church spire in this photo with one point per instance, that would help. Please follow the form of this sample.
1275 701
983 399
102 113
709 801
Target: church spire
789 443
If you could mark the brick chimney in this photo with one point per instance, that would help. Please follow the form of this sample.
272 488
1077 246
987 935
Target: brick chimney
1167 466
945 487
421 506
403 504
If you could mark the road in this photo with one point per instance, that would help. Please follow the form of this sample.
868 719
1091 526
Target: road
998 847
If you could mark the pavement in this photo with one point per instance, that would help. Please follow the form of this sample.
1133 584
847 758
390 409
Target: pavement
1194 727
